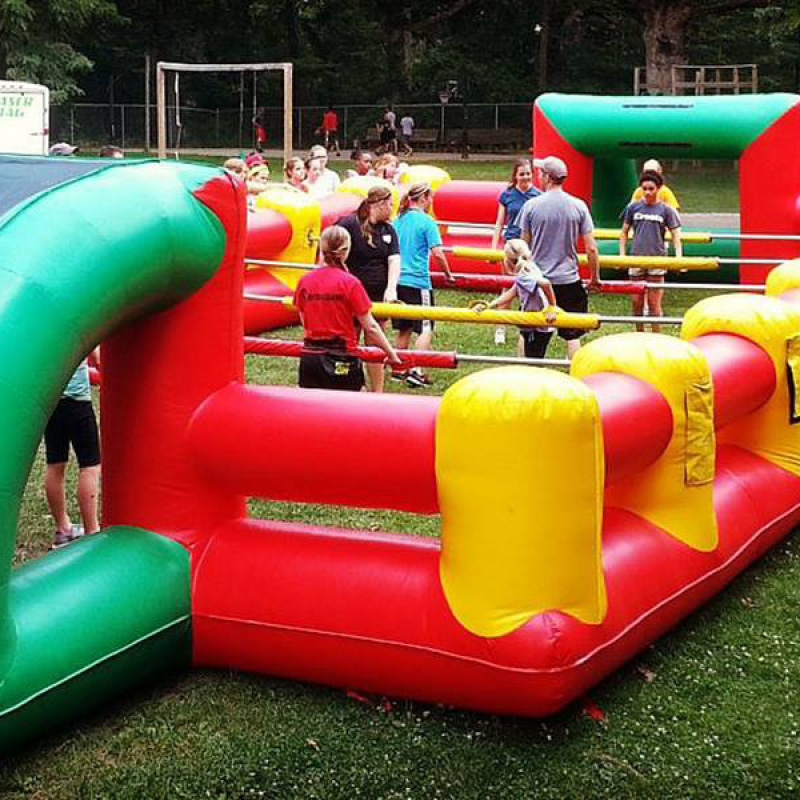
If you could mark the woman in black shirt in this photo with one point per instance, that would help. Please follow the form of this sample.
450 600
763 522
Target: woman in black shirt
374 257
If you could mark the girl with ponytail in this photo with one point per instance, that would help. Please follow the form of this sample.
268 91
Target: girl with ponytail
328 299
535 293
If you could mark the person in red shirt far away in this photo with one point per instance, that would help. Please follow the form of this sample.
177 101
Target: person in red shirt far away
328 299
330 130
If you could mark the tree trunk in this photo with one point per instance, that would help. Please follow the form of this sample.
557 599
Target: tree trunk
665 41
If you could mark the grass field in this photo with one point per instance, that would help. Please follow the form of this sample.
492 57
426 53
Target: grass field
710 711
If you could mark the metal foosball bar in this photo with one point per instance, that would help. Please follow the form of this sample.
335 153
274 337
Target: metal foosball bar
254 345
526 319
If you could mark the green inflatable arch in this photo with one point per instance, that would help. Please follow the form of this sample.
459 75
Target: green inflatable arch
83 258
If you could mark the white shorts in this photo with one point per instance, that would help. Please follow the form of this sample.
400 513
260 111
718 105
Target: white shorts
639 272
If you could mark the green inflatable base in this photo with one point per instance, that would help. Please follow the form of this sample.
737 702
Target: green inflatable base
93 621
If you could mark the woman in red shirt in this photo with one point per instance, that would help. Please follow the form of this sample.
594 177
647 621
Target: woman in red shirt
328 299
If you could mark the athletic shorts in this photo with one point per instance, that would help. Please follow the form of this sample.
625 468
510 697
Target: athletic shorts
639 272
330 369
412 296
535 342
571 297
73 422
375 291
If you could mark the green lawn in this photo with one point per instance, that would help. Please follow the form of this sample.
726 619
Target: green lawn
710 711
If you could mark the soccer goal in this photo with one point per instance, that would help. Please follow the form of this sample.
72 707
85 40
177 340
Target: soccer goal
164 67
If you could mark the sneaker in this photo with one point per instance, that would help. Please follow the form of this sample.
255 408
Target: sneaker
500 335
399 376
416 380
65 537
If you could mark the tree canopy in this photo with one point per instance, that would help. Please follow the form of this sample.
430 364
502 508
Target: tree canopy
358 51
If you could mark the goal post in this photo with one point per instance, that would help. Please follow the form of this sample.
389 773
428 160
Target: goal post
162 67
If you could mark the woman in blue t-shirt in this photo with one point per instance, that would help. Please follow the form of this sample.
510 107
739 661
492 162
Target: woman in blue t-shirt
520 189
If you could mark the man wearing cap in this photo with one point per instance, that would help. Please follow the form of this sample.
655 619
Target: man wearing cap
329 180
551 224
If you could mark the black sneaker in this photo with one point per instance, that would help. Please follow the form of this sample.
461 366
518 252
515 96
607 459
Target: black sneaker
417 380
399 376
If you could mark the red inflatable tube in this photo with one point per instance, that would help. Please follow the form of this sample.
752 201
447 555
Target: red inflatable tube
410 358
260 316
268 234
636 421
742 372
228 432
279 443
337 205
468 201
325 617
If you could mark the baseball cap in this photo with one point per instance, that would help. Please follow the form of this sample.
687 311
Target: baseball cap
317 151
254 159
552 165
62 149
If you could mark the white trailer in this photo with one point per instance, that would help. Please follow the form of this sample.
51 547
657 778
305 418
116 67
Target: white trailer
24 118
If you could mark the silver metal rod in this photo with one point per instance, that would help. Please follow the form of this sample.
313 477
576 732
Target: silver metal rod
633 320
709 287
530 362
621 320
758 237
262 262
751 260
487 226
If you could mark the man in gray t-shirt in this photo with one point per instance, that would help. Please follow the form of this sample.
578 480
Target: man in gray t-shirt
551 224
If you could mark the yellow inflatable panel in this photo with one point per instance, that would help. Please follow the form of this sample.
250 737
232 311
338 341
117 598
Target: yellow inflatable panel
425 173
676 492
519 469
303 213
783 277
361 184
773 325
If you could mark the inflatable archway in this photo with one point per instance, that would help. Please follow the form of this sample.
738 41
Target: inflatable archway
582 515
599 137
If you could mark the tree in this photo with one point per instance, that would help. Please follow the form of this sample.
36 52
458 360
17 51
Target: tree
36 41
666 25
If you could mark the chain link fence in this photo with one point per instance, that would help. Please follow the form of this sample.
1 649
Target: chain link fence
91 125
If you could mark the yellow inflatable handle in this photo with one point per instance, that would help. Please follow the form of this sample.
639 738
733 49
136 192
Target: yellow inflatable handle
529 319
614 262
695 237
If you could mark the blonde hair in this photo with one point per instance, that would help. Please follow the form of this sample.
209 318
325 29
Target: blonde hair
516 257
415 193
335 246
376 194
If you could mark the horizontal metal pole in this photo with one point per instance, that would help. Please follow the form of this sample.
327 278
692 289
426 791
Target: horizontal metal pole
752 260
634 320
759 237
618 262
530 319
704 287
438 359
531 362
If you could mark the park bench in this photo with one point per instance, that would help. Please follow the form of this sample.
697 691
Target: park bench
491 139
423 139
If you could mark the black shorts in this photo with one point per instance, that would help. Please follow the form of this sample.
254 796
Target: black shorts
330 369
72 422
412 296
571 297
535 342
375 290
